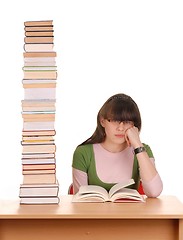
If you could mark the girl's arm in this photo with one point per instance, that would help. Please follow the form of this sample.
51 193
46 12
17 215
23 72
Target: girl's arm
79 178
147 168
151 180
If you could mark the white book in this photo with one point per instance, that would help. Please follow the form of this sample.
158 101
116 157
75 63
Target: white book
36 63
39 200
38 112
39 190
39 68
39 155
38 101
39 93
34 81
38 161
39 59
27 126
38 47
35 142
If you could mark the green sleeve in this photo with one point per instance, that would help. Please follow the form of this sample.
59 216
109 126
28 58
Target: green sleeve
148 150
82 157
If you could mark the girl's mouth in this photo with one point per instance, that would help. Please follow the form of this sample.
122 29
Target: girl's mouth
119 135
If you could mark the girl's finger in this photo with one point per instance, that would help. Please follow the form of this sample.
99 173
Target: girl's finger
127 140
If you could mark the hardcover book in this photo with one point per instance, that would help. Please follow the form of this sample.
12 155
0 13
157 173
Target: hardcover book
39 23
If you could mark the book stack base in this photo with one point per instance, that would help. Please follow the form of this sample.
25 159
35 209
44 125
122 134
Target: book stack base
40 185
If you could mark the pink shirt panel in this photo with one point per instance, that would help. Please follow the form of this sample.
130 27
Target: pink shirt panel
113 167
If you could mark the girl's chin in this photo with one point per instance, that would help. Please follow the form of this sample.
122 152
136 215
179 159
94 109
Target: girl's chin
121 141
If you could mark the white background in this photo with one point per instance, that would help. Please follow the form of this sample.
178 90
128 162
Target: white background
103 47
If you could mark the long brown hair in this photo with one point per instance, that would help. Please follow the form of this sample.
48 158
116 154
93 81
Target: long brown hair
119 107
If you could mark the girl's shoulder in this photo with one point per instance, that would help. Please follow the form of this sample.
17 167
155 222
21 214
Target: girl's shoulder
82 157
86 149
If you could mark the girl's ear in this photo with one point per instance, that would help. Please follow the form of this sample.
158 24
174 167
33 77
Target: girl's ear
102 121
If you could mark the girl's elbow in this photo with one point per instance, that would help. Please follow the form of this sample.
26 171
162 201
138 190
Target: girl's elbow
155 192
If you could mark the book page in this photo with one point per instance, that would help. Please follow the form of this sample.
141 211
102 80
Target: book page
89 190
89 197
119 186
127 194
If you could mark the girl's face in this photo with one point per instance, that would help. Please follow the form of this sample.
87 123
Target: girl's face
115 130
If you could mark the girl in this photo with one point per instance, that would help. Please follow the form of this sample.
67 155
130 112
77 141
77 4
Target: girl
115 153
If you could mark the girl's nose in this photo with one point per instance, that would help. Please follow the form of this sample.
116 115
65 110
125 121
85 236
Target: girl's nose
120 126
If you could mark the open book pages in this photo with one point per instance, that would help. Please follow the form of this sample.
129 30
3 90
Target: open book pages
118 193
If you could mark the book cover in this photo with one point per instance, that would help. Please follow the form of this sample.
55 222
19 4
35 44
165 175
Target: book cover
38 166
40 39
39 178
40 171
34 121
39 54
39 126
38 108
39 68
39 133
38 138
37 116
40 62
39 23
39 85
33 142
42 105
39 190
38 28
39 33
30 161
38 102
39 148
39 93
40 74
39 200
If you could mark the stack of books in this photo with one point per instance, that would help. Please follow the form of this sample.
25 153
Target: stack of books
40 185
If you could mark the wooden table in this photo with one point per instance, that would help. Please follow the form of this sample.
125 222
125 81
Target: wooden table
158 219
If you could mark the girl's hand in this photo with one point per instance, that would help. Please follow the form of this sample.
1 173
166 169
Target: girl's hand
132 137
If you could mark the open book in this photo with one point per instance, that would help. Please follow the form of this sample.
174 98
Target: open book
118 193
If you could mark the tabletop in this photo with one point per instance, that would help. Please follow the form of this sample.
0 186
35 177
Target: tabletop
154 208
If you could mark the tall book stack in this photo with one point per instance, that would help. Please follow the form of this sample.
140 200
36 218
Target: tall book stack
40 185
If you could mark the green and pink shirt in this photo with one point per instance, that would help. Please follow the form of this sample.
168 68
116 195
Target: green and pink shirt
94 165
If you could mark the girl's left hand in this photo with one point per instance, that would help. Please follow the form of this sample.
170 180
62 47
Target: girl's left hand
132 137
